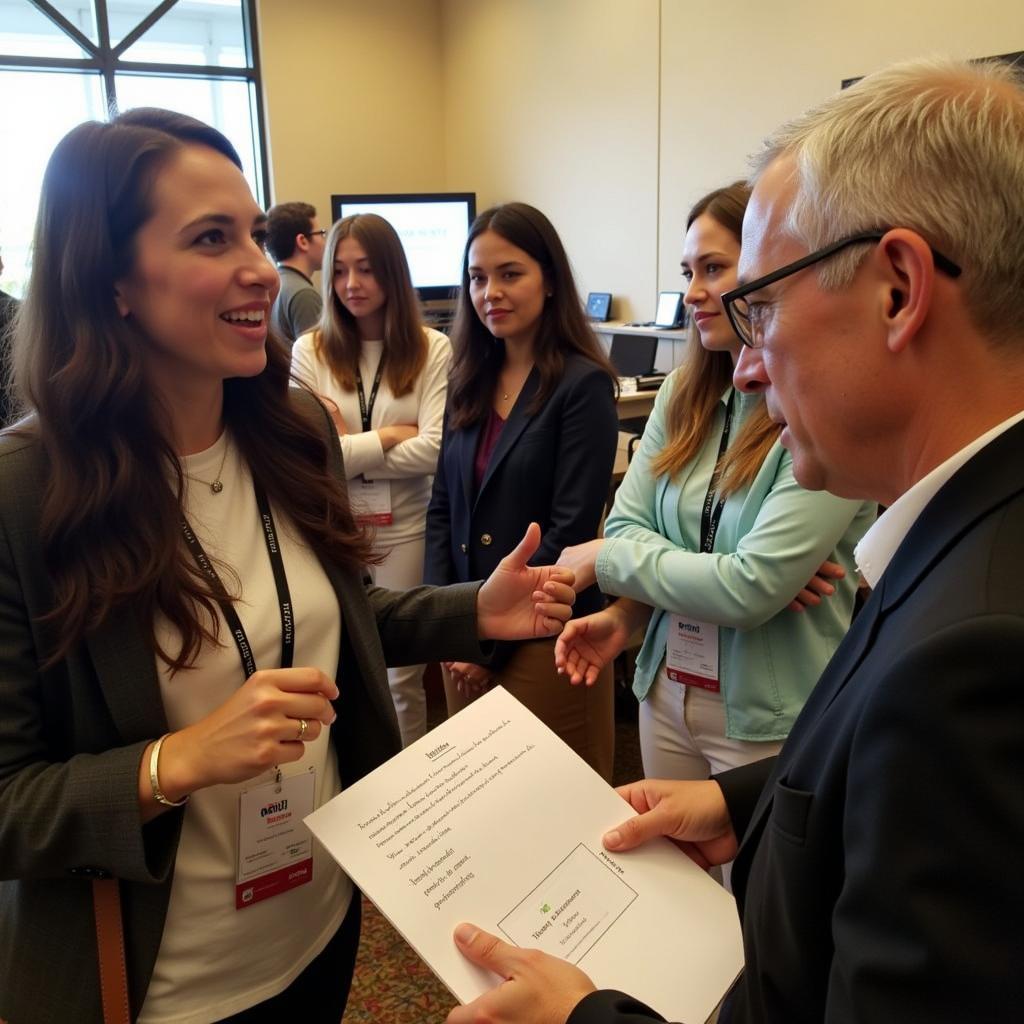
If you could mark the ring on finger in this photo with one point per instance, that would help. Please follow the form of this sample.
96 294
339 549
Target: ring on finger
303 726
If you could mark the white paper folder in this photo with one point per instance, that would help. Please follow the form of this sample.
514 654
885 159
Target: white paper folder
492 819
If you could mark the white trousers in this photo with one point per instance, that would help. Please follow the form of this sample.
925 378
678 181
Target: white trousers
402 569
682 734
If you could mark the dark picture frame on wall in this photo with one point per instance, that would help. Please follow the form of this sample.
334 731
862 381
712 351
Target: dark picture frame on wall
1009 58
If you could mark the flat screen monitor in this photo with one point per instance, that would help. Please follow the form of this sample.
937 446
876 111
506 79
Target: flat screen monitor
433 227
633 355
670 309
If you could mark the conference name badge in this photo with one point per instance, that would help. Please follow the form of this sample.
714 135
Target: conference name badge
275 849
692 653
371 500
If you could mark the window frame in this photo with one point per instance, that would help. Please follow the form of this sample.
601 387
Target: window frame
107 61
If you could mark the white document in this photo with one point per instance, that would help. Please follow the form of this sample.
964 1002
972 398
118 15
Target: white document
492 819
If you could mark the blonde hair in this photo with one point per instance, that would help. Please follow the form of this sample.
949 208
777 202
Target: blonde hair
705 375
935 145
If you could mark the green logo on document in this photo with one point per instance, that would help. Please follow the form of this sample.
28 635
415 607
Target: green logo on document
546 909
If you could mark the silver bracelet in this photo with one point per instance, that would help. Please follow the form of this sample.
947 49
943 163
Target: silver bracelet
154 779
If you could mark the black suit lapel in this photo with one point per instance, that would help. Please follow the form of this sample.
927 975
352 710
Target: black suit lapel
844 663
993 477
468 440
990 478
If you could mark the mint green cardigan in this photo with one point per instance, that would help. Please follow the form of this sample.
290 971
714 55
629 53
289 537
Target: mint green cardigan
772 537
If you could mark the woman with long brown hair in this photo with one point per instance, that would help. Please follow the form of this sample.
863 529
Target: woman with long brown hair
708 541
530 434
384 376
190 659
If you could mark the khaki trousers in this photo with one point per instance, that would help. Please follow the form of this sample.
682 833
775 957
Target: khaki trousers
582 716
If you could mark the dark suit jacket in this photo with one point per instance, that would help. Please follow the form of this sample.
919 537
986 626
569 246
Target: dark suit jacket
553 467
879 878
72 737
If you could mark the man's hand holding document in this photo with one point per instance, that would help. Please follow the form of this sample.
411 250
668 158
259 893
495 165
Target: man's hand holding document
492 819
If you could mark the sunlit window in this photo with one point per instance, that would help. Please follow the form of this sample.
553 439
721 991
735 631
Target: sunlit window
67 61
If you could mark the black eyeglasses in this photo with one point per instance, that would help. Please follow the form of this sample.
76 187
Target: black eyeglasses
322 232
739 311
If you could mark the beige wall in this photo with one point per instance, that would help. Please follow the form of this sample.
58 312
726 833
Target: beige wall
555 102
353 97
612 116
718 104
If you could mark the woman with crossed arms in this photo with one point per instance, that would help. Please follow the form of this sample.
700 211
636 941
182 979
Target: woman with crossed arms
384 376
707 543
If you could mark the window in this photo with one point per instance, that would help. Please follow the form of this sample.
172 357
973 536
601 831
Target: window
67 61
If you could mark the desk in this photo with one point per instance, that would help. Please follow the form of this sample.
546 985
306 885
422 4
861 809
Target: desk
639 404
664 333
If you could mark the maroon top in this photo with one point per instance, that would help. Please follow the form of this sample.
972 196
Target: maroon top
485 448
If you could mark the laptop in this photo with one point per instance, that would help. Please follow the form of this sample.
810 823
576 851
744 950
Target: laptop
671 312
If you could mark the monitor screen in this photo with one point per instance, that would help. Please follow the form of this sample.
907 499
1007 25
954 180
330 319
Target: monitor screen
433 227
670 308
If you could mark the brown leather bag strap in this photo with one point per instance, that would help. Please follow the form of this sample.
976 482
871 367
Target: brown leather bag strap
106 903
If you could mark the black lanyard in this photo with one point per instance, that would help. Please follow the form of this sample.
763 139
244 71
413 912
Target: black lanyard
366 409
711 514
280 582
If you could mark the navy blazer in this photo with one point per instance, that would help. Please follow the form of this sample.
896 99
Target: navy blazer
553 466
879 877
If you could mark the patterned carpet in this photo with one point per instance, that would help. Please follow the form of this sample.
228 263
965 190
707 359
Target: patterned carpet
391 984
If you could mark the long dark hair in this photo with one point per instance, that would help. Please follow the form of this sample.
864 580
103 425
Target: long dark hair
337 340
563 327
705 375
111 521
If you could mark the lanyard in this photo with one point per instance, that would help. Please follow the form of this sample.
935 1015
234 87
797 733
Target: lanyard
280 582
366 409
711 514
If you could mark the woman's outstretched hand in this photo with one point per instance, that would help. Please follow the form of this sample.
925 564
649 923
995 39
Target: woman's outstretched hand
520 601
586 645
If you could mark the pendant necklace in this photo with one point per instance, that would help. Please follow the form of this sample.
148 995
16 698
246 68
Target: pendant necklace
215 484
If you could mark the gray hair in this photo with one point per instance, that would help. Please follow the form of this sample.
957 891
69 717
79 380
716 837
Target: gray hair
934 145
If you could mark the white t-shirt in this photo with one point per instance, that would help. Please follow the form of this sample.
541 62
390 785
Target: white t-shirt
214 960
409 466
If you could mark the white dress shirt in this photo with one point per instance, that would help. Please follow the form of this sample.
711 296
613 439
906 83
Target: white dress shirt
879 544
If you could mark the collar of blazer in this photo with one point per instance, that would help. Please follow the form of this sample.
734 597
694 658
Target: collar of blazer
992 478
518 420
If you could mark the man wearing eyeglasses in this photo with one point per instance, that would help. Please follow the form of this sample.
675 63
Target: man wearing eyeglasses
296 243
878 857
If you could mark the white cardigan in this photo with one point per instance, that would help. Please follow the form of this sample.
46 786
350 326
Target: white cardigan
409 465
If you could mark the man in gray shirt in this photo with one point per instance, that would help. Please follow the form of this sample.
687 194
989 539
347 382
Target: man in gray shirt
296 244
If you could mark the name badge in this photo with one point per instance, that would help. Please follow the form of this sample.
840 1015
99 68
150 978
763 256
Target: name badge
692 654
275 849
371 500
